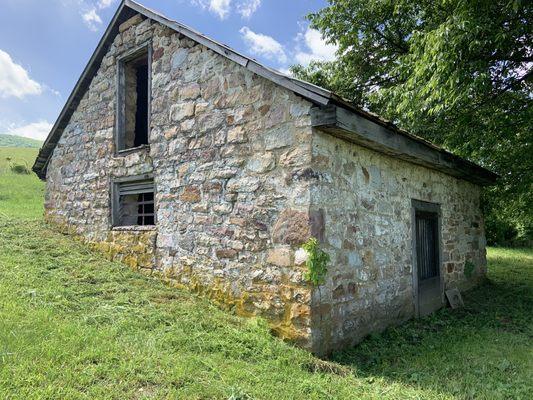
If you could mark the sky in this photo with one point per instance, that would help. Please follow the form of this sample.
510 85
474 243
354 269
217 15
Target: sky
45 45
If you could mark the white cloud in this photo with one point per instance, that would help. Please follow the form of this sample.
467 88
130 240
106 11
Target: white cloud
314 48
35 130
221 8
247 7
92 19
104 3
14 79
263 45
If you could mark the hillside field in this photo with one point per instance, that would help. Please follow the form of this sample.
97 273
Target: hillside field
19 141
21 195
76 326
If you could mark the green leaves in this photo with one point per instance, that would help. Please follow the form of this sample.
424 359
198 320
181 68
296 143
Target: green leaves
457 72
317 262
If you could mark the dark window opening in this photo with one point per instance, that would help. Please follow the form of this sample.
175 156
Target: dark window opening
141 113
427 245
134 203
134 88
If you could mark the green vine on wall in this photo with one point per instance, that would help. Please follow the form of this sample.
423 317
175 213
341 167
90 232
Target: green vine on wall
317 262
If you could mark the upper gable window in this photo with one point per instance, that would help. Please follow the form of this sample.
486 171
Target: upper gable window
133 99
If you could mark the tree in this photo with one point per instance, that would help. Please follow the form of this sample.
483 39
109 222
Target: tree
457 72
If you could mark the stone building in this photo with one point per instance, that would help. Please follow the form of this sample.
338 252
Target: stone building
176 154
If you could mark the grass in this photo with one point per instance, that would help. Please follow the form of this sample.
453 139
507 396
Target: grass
482 351
21 195
75 326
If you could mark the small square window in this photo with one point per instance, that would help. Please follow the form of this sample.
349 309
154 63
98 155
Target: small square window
133 203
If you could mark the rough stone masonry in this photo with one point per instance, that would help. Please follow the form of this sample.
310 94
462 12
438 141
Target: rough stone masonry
242 180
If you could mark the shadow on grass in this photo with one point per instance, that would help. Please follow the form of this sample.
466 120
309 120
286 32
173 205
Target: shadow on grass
481 351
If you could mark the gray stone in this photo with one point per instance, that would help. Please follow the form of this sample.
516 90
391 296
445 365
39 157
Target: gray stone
179 57
261 163
181 111
278 137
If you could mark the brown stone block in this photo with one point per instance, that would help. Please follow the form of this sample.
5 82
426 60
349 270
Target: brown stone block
264 109
213 187
347 245
191 194
338 292
158 53
236 135
237 221
450 267
170 133
226 253
136 19
299 312
352 289
292 227
189 91
296 157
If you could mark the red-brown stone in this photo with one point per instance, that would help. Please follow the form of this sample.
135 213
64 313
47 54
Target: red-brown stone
158 53
292 227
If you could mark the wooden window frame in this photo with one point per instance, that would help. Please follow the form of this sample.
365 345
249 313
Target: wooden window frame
424 206
145 48
115 199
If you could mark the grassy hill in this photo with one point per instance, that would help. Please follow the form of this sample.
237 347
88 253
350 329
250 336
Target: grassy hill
21 195
75 326
19 141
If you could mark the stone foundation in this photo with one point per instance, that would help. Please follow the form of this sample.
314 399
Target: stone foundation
133 247
284 305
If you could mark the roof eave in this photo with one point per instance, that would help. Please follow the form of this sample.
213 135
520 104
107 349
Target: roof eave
383 137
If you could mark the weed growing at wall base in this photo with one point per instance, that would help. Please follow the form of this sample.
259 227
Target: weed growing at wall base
317 262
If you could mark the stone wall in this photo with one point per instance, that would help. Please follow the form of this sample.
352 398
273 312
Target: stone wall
365 198
229 152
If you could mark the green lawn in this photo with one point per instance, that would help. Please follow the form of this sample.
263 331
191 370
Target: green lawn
75 326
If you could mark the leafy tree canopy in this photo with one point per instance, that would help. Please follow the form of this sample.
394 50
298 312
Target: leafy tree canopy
457 72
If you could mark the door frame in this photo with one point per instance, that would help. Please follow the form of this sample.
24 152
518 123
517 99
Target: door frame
419 205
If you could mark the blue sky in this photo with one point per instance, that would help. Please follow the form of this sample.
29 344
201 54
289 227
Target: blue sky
45 44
